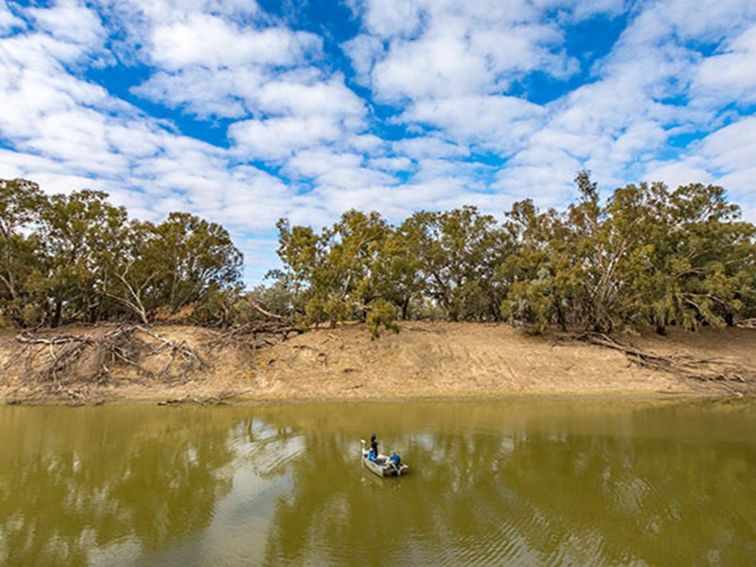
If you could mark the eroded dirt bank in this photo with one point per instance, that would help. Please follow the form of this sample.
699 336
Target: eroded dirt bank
424 360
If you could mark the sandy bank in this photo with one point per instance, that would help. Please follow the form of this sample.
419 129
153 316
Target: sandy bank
425 360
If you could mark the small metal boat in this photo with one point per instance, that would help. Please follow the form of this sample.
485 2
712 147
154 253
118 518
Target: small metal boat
382 465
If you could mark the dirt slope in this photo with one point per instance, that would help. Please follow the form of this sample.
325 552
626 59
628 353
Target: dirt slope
450 359
423 360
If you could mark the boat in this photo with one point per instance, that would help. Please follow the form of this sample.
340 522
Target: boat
382 465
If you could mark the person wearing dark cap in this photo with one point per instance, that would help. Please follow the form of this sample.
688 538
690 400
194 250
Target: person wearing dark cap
373 454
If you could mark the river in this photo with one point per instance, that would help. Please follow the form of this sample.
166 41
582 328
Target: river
520 482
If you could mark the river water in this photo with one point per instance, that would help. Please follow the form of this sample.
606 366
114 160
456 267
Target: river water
528 482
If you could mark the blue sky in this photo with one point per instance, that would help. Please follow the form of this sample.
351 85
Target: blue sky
244 112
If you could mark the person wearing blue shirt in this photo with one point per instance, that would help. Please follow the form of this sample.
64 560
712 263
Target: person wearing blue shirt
373 453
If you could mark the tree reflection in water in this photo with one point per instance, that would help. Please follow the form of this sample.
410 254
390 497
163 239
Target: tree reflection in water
488 487
72 481
491 483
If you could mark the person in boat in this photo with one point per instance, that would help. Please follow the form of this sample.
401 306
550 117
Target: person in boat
373 453
395 460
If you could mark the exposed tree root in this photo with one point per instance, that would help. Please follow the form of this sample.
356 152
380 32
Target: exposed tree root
72 366
252 337
723 372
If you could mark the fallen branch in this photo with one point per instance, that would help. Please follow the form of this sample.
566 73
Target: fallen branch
220 399
263 311
682 365
254 336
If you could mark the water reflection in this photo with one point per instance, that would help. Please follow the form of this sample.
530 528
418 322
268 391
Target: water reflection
74 481
492 483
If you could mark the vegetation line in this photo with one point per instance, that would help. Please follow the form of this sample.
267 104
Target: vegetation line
647 255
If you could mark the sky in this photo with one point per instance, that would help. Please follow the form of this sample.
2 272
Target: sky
244 112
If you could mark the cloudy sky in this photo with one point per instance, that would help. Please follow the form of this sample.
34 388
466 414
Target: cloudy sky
243 112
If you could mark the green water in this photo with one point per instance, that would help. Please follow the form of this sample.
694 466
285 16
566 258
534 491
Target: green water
492 483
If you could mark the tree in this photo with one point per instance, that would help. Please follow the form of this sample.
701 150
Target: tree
20 204
538 289
81 237
137 279
698 263
338 270
458 252
197 256
647 255
399 274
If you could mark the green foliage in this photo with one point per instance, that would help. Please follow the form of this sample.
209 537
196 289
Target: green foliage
198 255
646 255
76 257
80 241
257 304
337 273
382 314
21 203
457 253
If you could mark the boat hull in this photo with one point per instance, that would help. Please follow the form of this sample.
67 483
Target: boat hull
382 467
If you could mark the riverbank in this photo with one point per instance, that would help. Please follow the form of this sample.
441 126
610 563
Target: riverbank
425 360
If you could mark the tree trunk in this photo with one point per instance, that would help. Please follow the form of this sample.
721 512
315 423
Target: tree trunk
729 319
560 317
405 308
57 314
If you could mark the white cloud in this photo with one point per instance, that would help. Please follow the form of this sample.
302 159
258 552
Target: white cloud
438 73
201 91
242 91
733 147
321 97
68 133
429 147
212 41
726 157
391 163
267 81
363 51
70 21
7 20
390 18
500 122
676 174
277 138
730 75
337 170
617 124
442 48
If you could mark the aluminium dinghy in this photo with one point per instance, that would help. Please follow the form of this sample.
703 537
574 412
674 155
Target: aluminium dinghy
382 465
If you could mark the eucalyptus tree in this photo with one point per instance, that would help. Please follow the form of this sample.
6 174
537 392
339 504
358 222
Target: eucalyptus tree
536 275
698 262
458 251
20 204
198 256
81 238
337 270
645 256
399 269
